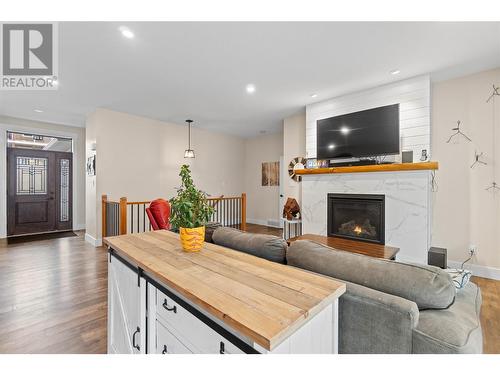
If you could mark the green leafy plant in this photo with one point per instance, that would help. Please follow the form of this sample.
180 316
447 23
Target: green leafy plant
190 208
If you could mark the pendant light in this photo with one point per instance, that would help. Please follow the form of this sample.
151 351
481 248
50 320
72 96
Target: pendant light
189 153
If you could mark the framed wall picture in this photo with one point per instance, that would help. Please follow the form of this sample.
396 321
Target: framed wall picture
91 166
271 173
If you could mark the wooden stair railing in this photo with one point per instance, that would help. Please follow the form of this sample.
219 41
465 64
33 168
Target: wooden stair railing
123 216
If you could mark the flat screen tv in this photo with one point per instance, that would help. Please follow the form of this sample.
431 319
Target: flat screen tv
373 132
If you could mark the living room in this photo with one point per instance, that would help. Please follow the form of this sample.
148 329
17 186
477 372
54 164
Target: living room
238 187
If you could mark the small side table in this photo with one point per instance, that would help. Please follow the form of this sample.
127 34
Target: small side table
291 228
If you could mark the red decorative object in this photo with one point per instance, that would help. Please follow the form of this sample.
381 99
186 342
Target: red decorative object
159 214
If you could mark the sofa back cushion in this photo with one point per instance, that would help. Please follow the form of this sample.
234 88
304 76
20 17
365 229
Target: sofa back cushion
429 287
262 245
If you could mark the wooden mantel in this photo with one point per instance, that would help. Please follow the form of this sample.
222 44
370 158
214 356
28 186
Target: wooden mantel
397 167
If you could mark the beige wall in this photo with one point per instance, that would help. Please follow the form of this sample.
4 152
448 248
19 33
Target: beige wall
44 128
464 212
140 158
294 144
262 201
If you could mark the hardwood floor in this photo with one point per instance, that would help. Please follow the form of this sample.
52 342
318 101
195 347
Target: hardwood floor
53 297
255 228
490 313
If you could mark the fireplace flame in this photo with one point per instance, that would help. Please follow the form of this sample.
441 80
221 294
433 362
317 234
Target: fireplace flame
357 229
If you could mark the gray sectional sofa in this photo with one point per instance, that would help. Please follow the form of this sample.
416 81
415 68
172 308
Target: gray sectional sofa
389 306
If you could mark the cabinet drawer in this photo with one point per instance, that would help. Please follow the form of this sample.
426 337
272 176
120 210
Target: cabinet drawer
191 331
167 343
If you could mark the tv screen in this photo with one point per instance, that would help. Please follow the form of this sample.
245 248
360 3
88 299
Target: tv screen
372 132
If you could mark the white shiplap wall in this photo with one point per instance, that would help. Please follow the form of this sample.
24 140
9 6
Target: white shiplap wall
413 96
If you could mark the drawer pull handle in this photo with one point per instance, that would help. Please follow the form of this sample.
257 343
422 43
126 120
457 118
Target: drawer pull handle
164 351
222 348
165 305
133 339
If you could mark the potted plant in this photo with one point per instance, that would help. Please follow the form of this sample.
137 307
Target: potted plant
189 212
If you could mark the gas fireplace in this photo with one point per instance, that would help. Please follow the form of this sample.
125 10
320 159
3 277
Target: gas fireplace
357 216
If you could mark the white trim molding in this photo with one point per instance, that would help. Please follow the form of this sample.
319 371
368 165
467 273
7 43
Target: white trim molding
96 242
478 270
267 223
78 194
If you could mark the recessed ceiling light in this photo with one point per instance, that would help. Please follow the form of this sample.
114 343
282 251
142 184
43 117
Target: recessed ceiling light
395 71
126 32
250 88
38 110
314 95
331 147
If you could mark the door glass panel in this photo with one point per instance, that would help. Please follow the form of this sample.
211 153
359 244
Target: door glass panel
64 190
31 175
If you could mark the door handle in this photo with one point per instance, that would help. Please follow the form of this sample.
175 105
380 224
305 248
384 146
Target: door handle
166 307
164 351
222 348
133 339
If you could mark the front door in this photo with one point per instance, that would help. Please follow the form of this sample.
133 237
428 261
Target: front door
39 191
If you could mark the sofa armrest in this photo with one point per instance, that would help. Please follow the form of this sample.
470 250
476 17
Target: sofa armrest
371 321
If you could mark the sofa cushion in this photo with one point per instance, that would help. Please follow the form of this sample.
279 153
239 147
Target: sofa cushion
454 330
429 287
262 245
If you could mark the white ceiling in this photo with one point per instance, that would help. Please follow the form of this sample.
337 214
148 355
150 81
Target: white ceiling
174 71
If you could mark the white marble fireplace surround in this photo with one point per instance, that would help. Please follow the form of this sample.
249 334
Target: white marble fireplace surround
407 206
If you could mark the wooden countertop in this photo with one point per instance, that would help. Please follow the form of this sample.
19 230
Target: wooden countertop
431 165
262 300
352 246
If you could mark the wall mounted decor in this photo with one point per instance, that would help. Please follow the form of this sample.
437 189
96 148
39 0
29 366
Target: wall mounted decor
494 188
458 132
496 92
271 173
91 166
297 163
477 160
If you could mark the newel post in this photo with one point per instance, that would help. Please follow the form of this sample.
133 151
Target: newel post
243 211
123 215
104 200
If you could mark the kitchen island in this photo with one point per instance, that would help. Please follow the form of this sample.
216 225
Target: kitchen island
164 300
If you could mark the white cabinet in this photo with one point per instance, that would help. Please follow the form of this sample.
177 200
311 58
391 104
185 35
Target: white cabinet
171 324
167 343
126 308
171 321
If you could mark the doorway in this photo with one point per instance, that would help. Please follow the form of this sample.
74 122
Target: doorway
39 184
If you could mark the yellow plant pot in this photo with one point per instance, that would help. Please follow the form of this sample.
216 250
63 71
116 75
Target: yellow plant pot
192 239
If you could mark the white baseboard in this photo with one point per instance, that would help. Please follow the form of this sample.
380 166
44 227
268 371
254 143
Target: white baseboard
478 270
79 227
96 242
267 223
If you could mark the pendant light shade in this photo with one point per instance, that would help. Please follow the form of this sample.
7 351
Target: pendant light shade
189 153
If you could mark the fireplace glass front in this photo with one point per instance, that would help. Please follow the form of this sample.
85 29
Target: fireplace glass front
357 216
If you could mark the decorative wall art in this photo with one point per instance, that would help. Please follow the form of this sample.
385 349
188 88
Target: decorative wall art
459 133
296 163
91 166
493 187
271 173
